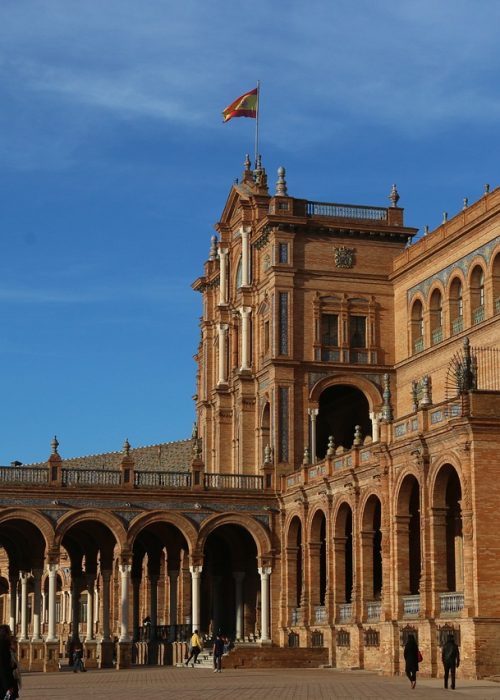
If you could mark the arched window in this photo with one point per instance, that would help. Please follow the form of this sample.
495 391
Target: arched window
436 317
456 307
477 294
496 284
417 327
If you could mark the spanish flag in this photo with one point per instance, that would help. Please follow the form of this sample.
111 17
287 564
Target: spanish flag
244 106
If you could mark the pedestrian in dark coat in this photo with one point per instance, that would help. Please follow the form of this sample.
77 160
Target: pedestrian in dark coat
412 655
450 656
7 679
218 651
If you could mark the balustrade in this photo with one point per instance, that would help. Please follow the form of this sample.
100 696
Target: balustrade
24 475
411 605
90 477
373 610
162 479
478 315
345 612
234 481
320 616
451 602
346 211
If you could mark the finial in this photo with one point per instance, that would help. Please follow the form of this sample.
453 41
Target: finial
305 461
281 190
466 203
386 406
54 444
331 447
258 165
126 447
426 229
394 196
248 164
358 438
194 431
445 217
267 455
212 255
486 189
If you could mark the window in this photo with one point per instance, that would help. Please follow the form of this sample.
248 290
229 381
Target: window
330 329
283 253
266 336
357 331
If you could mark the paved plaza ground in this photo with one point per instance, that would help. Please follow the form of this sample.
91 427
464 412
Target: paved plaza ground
202 684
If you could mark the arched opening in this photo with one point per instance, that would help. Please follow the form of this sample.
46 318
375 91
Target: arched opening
294 569
230 589
477 294
496 284
456 306
341 409
371 541
343 555
448 531
436 317
417 327
318 564
408 537
160 611
265 429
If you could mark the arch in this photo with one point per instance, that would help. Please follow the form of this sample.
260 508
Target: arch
417 325
447 529
183 524
34 517
255 529
110 521
371 547
495 278
343 552
436 314
341 409
456 302
476 285
317 539
368 388
408 534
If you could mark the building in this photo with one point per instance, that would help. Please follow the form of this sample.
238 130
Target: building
340 487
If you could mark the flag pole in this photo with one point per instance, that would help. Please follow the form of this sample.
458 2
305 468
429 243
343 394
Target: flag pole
257 124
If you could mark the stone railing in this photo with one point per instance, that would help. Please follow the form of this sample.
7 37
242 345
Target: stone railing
320 614
251 482
345 612
295 616
478 315
346 211
457 325
324 468
451 603
90 477
168 480
24 475
373 610
411 605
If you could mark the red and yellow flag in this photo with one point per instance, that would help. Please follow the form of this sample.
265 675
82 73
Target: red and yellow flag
244 106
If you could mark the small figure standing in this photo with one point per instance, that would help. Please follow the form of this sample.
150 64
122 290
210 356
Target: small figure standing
218 651
450 656
146 623
78 658
8 684
412 658
195 648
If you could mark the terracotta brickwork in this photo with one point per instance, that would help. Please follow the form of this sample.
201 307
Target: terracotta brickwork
340 487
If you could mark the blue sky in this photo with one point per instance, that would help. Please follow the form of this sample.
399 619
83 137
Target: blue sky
114 165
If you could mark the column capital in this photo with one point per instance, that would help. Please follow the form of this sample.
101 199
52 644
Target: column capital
264 571
125 568
196 570
52 569
313 412
173 573
245 310
223 327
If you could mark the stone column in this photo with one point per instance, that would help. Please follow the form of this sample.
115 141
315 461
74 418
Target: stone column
265 573
13 578
125 570
245 337
37 599
223 328
24 606
238 581
106 578
223 276
90 610
313 414
195 596
44 608
375 419
173 575
51 632
245 257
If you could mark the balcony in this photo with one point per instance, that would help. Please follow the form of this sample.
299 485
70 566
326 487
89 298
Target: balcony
346 211
330 354
478 315
320 616
437 335
451 603
418 345
457 325
373 610
411 605
345 612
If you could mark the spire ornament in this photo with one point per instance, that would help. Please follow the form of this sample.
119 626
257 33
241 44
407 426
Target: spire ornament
394 196
281 189
54 444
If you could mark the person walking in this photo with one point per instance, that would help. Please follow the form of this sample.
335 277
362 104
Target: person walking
450 656
218 651
8 685
195 648
78 658
412 658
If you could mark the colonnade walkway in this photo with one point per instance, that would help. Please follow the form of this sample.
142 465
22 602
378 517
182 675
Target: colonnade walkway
170 683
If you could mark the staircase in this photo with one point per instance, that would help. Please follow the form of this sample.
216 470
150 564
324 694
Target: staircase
256 656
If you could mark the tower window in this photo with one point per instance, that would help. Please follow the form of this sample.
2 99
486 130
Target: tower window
330 329
357 331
